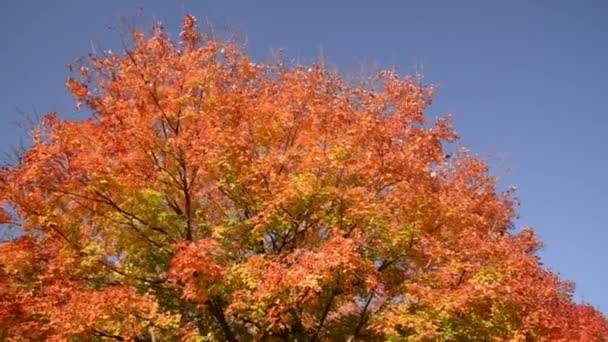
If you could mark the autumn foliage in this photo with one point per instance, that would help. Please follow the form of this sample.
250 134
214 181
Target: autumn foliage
208 197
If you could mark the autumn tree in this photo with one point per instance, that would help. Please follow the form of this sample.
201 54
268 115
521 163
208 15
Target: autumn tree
208 197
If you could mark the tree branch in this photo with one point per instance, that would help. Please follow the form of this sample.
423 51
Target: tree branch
218 313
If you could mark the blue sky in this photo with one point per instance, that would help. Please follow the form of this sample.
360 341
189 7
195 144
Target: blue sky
525 81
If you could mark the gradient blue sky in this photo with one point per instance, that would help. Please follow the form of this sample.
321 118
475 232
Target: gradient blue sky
526 82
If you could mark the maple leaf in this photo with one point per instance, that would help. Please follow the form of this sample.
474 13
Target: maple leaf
210 197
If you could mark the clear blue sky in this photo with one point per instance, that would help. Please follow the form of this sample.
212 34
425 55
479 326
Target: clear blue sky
525 80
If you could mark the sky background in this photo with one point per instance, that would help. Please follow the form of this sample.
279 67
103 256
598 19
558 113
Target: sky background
526 82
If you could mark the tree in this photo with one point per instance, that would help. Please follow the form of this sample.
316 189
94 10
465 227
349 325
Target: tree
208 197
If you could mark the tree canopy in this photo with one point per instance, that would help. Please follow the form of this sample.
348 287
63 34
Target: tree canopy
208 197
